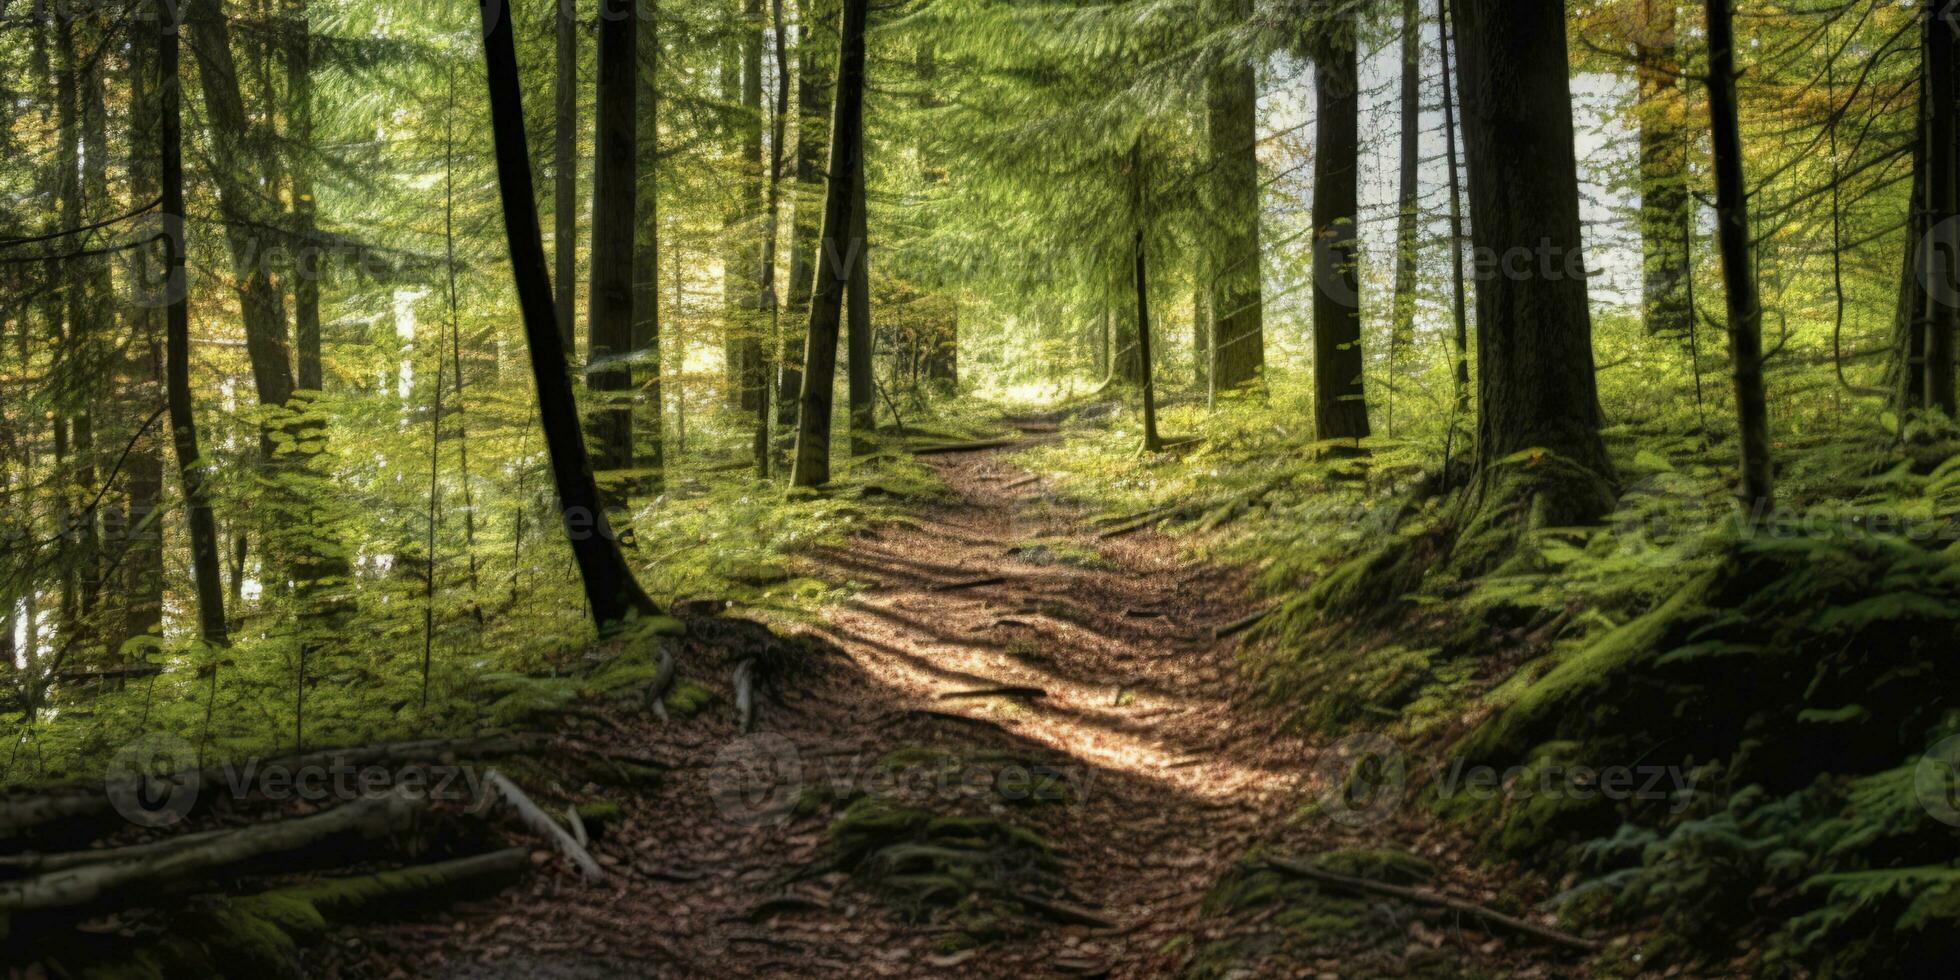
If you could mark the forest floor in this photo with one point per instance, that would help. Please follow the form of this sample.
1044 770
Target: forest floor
1170 769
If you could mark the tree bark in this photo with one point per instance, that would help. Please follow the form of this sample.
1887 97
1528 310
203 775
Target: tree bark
857 342
564 172
1536 389
1237 344
1738 261
1942 158
839 255
1151 441
609 314
310 266
1459 311
771 304
611 591
1665 214
815 48
1340 411
183 427
646 251
1402 330
143 565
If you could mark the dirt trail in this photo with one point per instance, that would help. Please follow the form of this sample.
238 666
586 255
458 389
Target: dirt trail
1175 771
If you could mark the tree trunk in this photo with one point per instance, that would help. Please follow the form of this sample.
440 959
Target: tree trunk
183 428
1340 412
564 172
646 251
311 258
1664 202
1536 389
839 255
1402 330
609 294
815 46
1738 261
1151 442
1123 325
1942 135
610 588
1237 345
143 566
1459 308
857 342
744 275
771 304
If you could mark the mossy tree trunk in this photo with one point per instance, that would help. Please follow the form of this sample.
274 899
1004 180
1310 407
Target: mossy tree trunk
1536 389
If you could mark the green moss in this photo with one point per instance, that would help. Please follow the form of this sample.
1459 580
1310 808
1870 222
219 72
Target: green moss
687 699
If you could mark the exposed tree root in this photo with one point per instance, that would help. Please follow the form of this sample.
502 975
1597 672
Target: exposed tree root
1421 896
542 824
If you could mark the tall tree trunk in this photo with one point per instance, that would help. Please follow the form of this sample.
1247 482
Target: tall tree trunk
857 340
1738 261
564 172
609 294
177 373
646 249
815 48
1140 220
743 277
1536 389
1124 350
1942 158
311 264
1402 330
1340 411
839 255
771 304
143 567
1459 312
611 591
1664 202
1238 345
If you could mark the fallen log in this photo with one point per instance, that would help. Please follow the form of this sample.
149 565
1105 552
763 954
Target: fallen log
543 825
66 805
1420 896
174 870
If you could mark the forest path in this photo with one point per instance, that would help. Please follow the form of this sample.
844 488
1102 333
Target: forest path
1174 770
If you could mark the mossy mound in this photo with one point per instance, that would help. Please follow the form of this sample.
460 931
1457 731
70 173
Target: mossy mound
1787 697
1294 922
982 877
